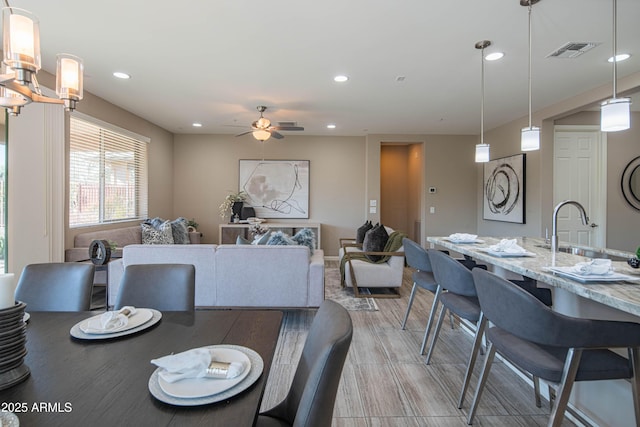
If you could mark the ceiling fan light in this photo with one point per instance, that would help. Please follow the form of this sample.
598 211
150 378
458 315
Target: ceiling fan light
615 114
530 140
263 123
261 134
482 153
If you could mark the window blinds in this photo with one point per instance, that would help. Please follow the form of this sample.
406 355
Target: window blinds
107 174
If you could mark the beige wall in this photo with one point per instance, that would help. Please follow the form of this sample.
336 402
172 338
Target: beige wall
622 147
160 160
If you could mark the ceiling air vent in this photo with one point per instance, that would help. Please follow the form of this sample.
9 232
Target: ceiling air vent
572 49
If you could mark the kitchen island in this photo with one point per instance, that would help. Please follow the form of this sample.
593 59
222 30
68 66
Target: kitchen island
604 403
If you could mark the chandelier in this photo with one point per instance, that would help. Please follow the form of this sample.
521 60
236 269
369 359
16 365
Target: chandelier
21 62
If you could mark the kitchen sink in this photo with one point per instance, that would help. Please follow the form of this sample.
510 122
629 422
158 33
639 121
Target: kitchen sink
589 253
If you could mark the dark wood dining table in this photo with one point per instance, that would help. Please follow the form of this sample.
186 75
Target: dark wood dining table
105 382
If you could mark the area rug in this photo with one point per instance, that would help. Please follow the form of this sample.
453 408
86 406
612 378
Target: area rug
344 296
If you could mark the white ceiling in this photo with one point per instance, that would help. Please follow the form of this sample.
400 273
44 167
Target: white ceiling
214 61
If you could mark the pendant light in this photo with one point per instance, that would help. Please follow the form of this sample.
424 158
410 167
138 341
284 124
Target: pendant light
482 149
615 111
530 139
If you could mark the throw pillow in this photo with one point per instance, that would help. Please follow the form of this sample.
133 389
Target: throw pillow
362 231
262 240
160 236
280 238
242 241
180 231
306 237
155 222
374 241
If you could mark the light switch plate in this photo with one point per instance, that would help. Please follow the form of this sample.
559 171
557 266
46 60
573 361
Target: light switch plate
373 203
373 209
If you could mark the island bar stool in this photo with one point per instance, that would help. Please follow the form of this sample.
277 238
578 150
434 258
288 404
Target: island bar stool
554 347
418 258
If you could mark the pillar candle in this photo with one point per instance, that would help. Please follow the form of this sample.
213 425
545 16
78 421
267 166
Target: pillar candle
7 291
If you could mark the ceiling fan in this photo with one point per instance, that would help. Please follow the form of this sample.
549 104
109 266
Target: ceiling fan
262 129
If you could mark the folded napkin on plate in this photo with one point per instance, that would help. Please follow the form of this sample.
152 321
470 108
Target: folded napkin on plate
196 363
111 320
508 246
598 266
463 237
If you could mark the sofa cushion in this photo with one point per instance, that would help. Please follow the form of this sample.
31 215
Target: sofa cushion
375 241
180 231
157 236
360 232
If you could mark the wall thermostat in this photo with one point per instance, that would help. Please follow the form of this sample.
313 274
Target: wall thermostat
432 190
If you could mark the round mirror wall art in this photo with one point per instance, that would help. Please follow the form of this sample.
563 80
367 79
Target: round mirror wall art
630 183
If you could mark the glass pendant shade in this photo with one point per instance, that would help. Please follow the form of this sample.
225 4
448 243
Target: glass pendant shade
261 135
69 77
21 39
482 153
615 115
530 138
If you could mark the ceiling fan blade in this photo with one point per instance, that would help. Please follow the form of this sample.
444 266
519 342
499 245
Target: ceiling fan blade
244 133
287 127
275 134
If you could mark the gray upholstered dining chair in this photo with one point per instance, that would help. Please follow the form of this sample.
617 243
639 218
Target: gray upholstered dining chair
165 287
56 286
418 259
554 347
311 397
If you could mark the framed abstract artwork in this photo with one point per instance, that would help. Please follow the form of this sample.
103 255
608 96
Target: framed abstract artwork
276 188
504 189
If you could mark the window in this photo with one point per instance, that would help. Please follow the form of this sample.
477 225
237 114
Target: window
107 174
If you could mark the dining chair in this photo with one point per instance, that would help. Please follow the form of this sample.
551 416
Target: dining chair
418 259
554 347
311 397
165 287
56 286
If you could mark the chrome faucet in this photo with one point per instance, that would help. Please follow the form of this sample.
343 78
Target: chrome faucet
554 230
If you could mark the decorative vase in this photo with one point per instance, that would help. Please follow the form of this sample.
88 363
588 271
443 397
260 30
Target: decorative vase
236 209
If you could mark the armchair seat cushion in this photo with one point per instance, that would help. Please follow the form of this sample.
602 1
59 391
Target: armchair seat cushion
370 275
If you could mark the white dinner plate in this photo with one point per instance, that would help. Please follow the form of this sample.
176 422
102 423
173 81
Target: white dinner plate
589 278
506 254
189 388
463 241
140 317
76 332
255 371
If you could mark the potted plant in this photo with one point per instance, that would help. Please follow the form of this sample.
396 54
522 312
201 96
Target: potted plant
232 205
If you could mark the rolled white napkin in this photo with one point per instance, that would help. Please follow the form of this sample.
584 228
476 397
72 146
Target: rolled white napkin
196 363
508 246
110 320
598 266
463 237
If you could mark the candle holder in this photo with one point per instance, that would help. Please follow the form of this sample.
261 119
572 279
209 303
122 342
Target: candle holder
12 345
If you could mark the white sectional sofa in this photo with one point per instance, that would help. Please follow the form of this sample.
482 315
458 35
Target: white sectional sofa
237 275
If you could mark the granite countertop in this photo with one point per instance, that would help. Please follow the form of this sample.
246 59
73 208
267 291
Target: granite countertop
624 296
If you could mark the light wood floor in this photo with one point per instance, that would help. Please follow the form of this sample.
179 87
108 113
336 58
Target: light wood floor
385 382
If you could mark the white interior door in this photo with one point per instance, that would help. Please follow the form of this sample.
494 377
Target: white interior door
579 173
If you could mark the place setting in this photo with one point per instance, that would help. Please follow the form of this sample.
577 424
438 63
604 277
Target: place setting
595 270
507 248
204 375
463 238
111 324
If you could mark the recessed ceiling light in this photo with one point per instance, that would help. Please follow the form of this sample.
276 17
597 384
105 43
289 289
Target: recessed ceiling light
197 125
331 126
121 75
493 56
340 79
620 57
